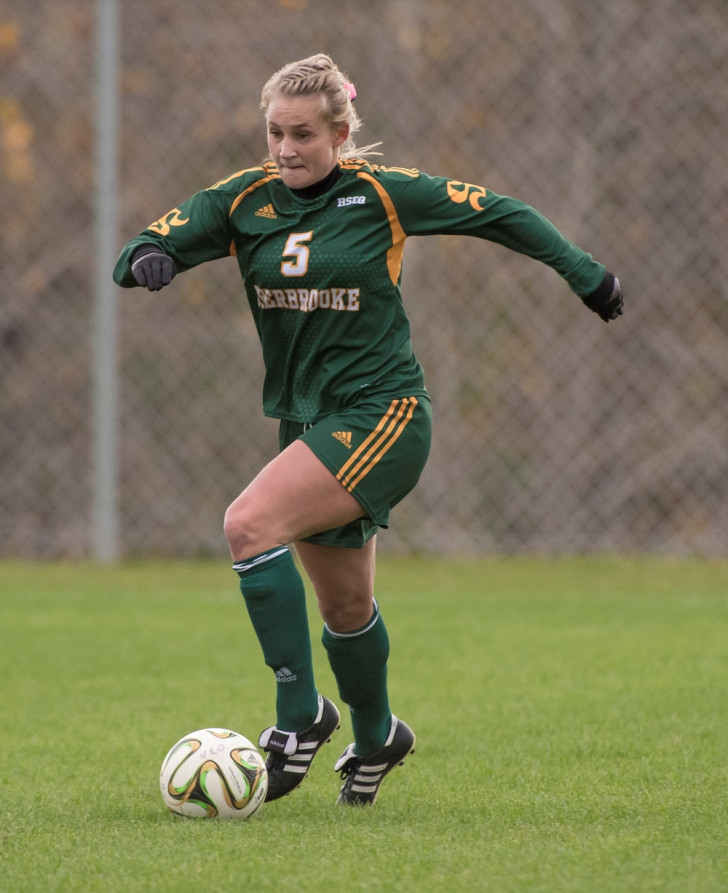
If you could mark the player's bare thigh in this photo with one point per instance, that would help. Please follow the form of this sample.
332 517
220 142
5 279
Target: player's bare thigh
343 580
294 496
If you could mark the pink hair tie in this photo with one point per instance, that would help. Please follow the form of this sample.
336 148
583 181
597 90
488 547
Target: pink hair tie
351 90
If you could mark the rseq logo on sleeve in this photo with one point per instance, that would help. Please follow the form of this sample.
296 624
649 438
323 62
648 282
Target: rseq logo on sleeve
351 200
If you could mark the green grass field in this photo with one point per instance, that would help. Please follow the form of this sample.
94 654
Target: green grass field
572 722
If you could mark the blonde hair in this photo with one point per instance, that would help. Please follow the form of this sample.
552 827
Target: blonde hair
319 75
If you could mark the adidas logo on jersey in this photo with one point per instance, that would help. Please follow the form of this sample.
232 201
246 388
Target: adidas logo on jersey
266 211
343 437
285 675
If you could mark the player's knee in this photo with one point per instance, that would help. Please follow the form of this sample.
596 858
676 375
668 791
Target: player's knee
346 615
240 529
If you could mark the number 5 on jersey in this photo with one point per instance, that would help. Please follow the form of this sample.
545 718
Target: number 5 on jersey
296 248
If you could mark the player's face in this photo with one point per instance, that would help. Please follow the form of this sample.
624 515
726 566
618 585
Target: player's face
301 141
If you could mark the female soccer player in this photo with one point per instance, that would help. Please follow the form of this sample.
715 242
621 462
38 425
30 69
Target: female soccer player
319 234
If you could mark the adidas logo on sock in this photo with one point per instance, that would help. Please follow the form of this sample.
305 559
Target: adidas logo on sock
266 211
343 437
285 675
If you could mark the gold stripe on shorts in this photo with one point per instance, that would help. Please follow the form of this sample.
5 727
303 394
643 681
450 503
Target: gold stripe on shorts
378 443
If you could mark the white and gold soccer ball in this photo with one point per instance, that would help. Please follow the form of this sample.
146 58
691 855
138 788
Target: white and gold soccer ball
213 773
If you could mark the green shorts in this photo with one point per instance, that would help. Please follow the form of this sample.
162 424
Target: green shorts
377 450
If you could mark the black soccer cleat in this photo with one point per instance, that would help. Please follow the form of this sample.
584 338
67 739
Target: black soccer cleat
363 775
290 753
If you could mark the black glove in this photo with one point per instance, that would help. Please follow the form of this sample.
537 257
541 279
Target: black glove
607 300
152 267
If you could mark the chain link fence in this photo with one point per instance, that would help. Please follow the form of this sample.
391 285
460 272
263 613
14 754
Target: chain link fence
554 433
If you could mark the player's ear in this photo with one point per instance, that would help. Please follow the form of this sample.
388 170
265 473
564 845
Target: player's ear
342 135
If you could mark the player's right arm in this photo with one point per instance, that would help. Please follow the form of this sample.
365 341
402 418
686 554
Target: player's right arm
195 232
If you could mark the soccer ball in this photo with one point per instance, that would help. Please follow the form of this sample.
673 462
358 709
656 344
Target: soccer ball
213 773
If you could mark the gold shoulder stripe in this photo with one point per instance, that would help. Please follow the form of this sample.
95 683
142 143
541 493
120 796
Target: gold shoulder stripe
225 180
353 164
407 171
378 443
396 251
250 189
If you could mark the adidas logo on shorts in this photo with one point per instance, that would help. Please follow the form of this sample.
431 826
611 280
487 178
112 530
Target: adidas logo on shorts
343 437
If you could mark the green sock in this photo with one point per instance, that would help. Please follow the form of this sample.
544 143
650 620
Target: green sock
276 602
359 663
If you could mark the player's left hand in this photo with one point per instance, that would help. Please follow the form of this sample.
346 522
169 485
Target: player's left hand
607 300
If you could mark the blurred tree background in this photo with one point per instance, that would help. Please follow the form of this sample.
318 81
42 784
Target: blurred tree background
554 433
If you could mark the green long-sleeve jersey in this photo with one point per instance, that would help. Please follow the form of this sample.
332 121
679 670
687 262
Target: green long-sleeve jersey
323 275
